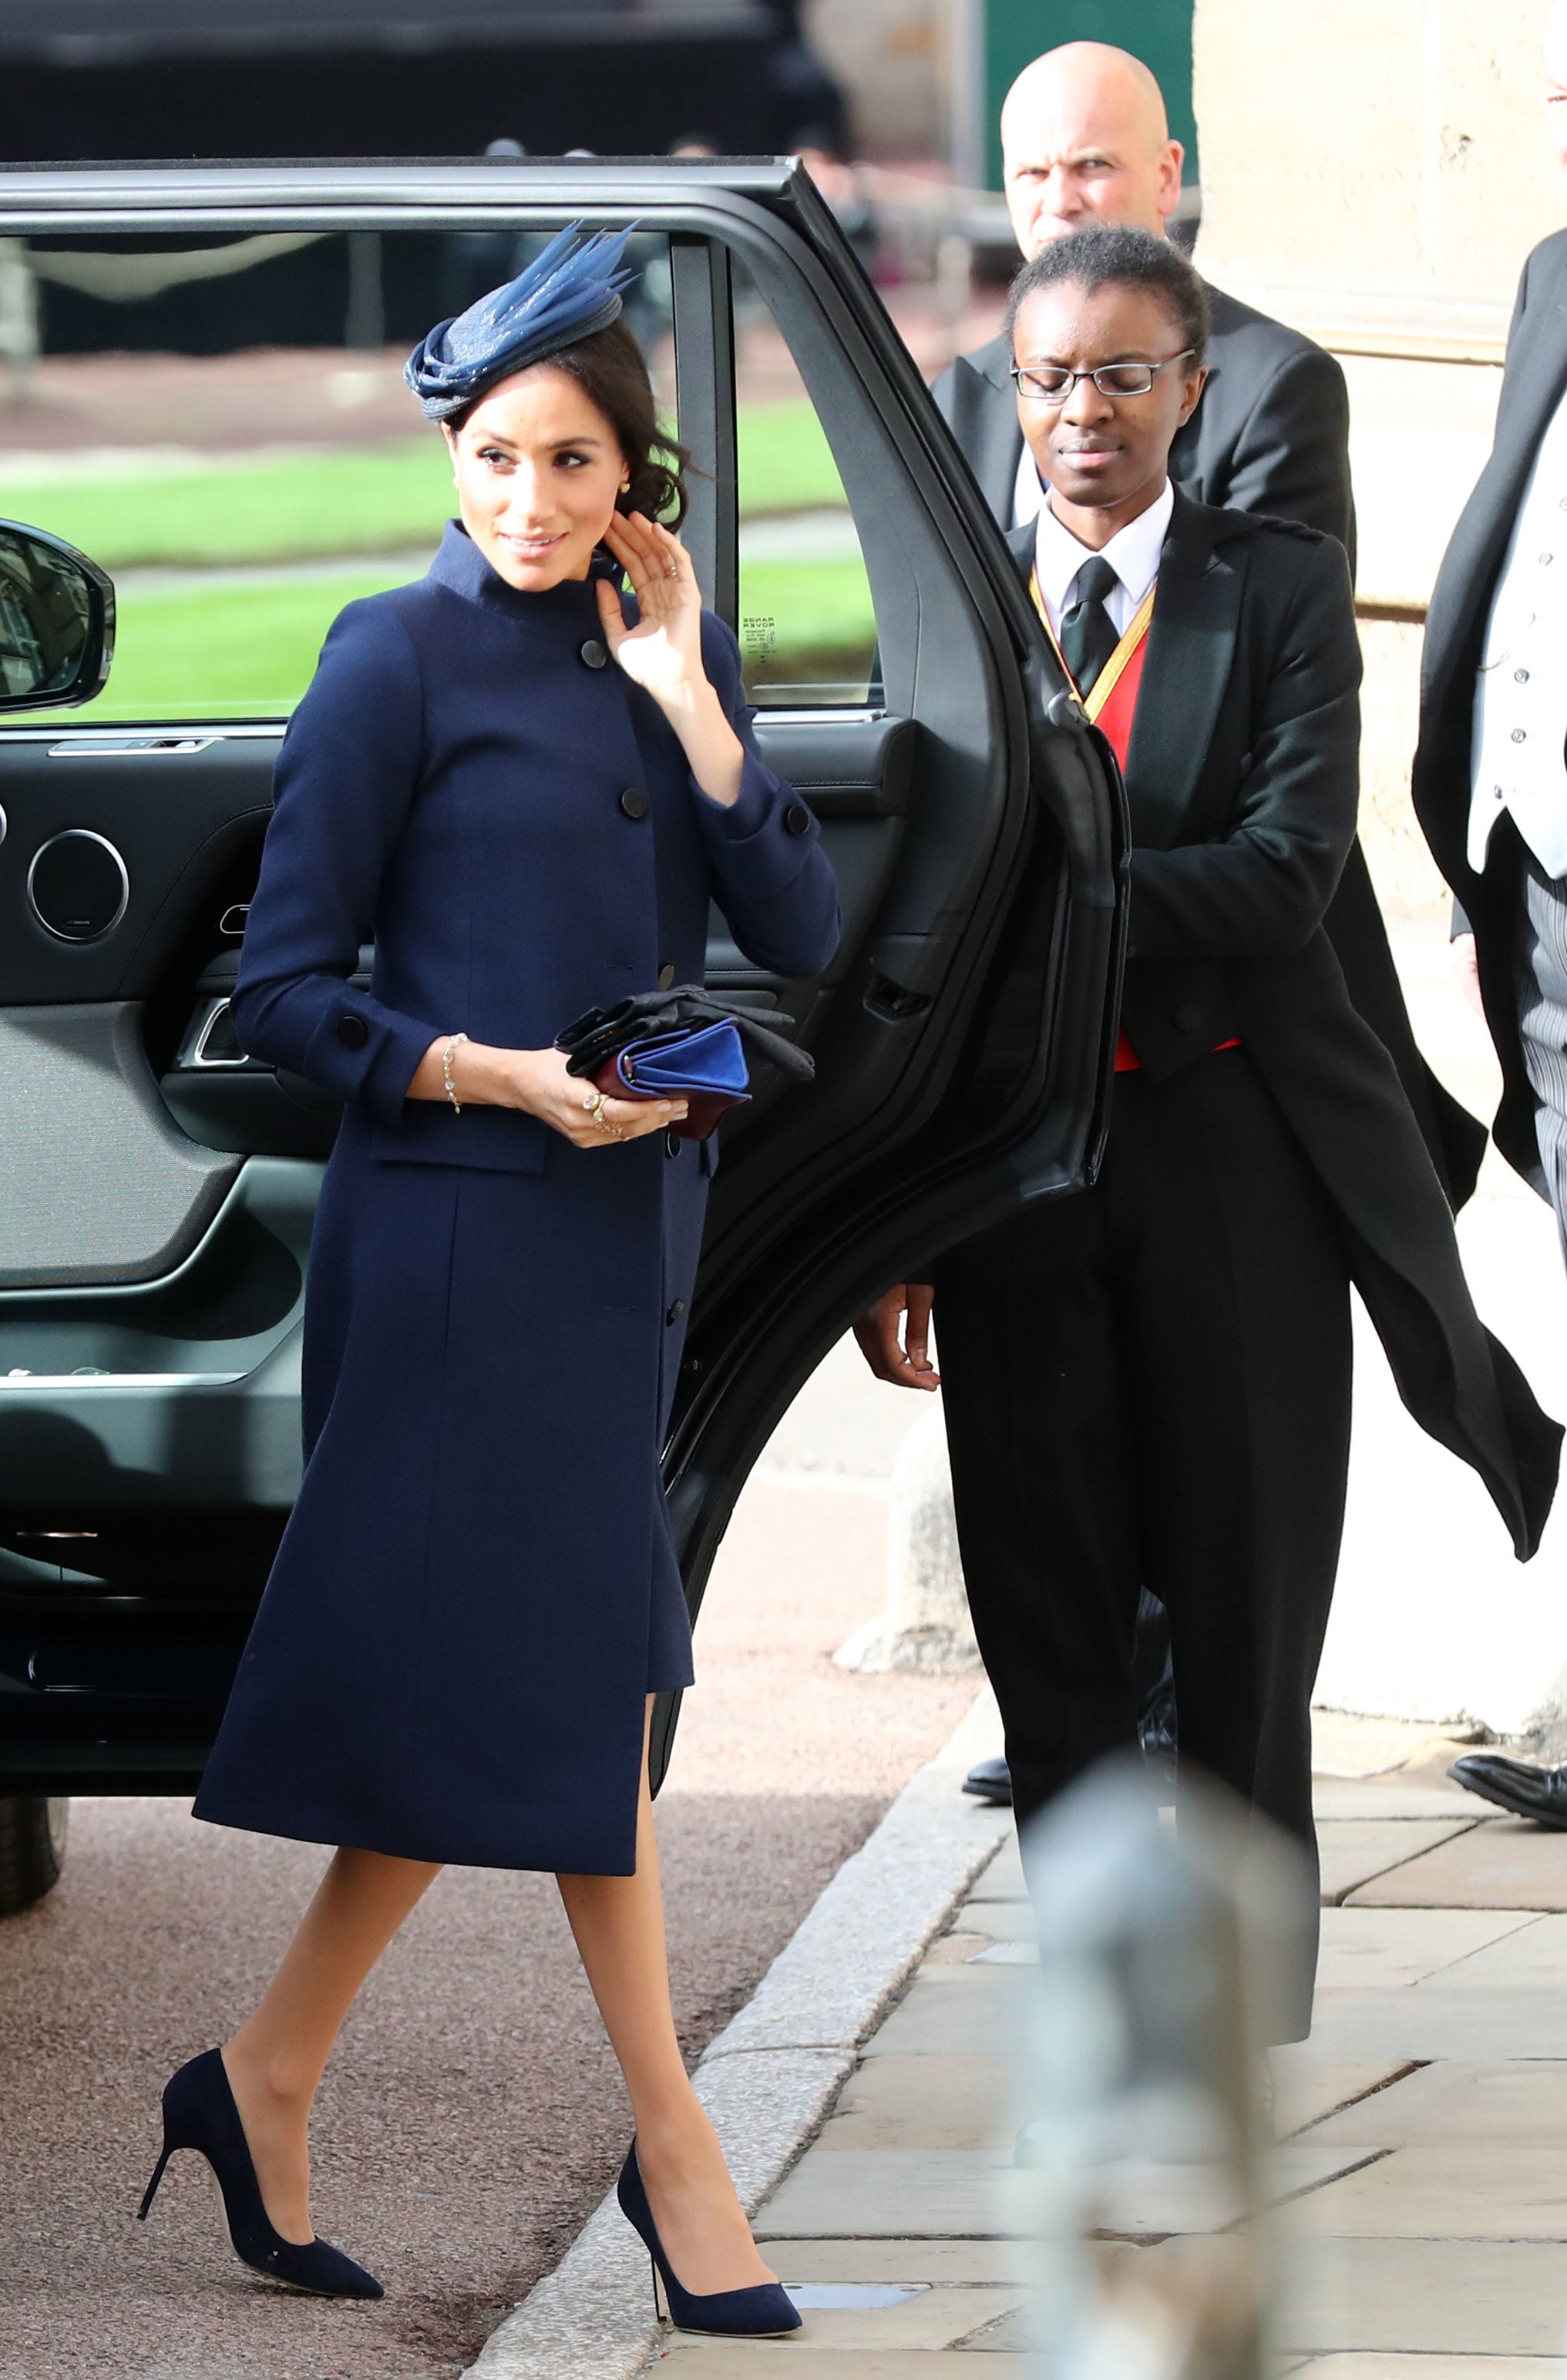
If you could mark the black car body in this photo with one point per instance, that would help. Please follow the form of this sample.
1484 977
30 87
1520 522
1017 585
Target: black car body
156 1189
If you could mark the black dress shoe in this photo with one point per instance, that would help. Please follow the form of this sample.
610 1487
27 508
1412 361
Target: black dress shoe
990 1781
1515 1785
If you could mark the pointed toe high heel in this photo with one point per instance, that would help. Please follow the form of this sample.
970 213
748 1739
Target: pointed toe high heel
765 2311
200 2113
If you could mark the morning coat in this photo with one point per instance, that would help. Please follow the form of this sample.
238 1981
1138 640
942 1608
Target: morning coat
477 1587
1238 951
1456 628
1269 434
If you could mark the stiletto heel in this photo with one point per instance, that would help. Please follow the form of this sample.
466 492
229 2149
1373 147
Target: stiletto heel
765 2311
151 2190
200 2113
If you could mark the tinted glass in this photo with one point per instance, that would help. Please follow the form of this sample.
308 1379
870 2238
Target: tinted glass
806 623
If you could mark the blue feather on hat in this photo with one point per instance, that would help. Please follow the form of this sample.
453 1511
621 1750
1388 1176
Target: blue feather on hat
569 291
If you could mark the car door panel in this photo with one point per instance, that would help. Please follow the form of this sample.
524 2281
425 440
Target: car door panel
149 1383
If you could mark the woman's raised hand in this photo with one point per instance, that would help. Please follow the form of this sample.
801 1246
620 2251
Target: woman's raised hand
663 651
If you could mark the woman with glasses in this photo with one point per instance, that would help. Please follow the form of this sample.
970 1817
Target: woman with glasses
1148 1384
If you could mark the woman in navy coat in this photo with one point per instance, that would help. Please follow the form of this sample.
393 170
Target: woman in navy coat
527 797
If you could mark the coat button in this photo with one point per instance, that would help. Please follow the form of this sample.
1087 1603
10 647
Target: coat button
1186 1019
666 979
634 802
796 819
353 1032
594 653
677 1311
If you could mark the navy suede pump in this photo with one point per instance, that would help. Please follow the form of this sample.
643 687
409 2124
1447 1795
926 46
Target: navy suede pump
200 2113
765 2311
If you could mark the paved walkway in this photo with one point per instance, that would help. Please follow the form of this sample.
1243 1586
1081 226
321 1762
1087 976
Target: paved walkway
1428 2116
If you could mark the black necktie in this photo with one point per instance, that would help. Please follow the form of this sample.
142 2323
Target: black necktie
1087 633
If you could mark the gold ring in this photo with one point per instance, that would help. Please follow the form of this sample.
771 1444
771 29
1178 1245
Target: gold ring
588 1100
673 571
595 1106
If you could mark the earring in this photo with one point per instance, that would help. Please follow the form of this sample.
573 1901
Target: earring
626 485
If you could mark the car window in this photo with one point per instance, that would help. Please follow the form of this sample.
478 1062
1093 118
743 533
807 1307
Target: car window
222 424
806 622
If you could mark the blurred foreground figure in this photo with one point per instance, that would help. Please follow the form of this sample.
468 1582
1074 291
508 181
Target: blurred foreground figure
1086 140
1163 1961
1490 779
1147 1384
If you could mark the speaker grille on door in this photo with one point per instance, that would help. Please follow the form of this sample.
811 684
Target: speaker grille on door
79 885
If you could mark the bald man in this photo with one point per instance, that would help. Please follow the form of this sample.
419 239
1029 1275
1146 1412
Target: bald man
1085 136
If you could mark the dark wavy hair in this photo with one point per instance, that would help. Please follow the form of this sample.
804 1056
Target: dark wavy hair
1117 255
612 372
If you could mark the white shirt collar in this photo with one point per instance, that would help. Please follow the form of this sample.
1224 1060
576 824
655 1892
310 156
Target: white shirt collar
1132 553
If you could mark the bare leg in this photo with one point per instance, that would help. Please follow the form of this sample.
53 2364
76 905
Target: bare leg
277 2059
618 1922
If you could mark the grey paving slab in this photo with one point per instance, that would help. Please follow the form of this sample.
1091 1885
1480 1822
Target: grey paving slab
1454 2103
1500 1863
1532 1952
1004 1921
1362 1947
928 2320
716 2361
948 2192
1435 2367
1307 2087
1353 1851
1439 2297
970 2261
1432 2019
925 2103
1474 2189
953 2009
1392 1797
1003 1880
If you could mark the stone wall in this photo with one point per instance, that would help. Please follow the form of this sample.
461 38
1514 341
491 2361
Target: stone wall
1374 171
893 59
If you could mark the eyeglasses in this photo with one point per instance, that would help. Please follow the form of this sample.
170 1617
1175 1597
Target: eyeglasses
1052 384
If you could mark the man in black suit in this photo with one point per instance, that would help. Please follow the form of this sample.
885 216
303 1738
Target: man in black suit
1491 775
1085 138
1150 1383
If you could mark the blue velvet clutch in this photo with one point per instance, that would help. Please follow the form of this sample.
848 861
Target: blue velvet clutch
685 1043
706 1067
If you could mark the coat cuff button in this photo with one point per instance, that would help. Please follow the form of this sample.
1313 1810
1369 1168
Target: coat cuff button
594 653
353 1032
796 819
634 802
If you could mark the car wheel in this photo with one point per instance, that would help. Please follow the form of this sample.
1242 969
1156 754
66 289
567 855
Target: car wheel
32 1847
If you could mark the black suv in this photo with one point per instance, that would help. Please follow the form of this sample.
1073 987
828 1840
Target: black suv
156 1186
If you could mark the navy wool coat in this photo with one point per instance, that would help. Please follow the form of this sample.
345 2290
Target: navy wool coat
477 1587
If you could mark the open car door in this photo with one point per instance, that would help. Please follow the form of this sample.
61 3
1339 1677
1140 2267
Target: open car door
156 1186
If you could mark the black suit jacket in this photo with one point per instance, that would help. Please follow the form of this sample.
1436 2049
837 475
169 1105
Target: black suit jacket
1455 626
1270 435
1241 780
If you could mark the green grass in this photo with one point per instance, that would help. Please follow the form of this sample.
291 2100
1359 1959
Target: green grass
248 651
380 498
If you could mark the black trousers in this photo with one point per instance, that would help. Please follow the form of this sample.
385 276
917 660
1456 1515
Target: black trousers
1150 1385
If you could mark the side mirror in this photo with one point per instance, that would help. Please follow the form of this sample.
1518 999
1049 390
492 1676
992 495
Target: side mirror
56 621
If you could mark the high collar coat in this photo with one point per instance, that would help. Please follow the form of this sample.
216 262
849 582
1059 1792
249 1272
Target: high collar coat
477 1587
1240 778
1270 435
1532 387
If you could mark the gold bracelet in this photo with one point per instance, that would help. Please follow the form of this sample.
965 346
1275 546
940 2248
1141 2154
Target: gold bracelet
447 1054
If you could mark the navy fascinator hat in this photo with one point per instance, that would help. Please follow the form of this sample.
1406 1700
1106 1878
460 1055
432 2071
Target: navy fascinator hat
571 289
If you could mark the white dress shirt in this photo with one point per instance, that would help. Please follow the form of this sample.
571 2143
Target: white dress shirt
1521 687
1029 492
1132 553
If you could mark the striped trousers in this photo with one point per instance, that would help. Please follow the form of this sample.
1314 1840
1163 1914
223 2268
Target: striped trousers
1540 970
